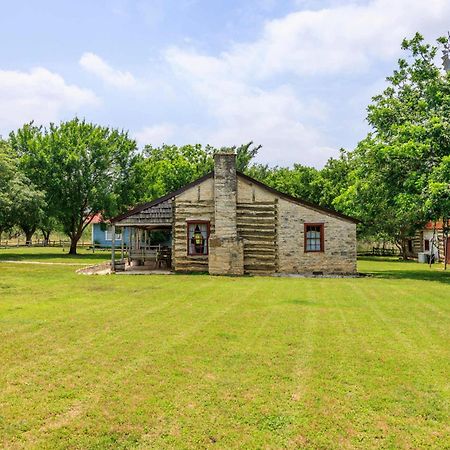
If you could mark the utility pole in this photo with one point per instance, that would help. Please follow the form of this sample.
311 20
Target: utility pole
446 219
446 55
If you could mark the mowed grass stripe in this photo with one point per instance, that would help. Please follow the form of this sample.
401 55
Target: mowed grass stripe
199 362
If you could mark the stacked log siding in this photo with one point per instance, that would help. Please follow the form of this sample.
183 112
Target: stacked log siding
257 226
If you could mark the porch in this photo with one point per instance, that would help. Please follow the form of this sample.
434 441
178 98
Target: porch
148 249
150 239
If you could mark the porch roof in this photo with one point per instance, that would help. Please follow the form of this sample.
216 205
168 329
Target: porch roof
153 216
156 212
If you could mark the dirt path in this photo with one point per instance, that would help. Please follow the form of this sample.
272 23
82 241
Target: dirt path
10 261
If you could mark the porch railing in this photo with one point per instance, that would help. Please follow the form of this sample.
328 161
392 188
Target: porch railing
145 252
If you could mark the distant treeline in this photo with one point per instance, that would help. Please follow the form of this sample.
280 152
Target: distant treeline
396 179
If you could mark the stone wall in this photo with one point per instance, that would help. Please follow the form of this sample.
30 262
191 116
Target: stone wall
226 256
339 255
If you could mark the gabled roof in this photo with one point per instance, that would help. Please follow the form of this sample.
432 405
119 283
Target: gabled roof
280 194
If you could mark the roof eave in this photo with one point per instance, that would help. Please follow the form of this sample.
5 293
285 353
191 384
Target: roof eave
157 201
299 201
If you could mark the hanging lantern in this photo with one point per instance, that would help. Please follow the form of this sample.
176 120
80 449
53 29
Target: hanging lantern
198 240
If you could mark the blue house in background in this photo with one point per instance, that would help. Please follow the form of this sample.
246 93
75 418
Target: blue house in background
102 234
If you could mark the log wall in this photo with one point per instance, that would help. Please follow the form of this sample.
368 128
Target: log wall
257 226
194 204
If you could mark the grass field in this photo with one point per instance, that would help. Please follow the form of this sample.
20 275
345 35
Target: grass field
208 362
54 255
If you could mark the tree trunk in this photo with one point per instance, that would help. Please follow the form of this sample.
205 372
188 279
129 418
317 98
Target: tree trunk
29 237
73 245
46 235
401 245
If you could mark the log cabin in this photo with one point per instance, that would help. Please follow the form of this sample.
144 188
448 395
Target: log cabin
226 223
432 241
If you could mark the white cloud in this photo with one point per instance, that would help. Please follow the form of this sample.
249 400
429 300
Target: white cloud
241 90
146 85
94 64
155 135
241 112
38 95
341 39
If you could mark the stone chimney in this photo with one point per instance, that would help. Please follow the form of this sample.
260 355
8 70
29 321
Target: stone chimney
226 252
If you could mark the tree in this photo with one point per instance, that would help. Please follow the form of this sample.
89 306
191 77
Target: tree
85 169
169 167
21 203
7 171
378 194
332 180
438 198
245 154
389 183
47 225
29 207
298 181
26 142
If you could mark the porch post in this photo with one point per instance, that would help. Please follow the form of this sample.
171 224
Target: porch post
113 248
121 245
130 243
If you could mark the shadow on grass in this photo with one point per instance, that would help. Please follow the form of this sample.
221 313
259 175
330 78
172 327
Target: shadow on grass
388 259
421 275
406 270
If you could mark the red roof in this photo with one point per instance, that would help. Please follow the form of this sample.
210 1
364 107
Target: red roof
430 225
97 218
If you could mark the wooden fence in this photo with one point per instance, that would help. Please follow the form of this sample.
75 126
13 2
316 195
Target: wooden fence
380 251
10 243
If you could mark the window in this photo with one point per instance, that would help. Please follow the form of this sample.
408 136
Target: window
198 235
108 235
426 245
314 237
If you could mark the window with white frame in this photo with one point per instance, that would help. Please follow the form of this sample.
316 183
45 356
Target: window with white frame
108 234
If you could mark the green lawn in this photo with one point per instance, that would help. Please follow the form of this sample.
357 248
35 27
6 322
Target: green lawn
54 255
209 362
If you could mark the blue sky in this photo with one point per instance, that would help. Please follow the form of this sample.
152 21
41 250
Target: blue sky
294 75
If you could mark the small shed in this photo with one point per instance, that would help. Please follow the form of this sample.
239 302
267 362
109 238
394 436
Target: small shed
102 233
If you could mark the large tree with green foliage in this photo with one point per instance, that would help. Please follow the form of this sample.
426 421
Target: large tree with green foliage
298 181
167 168
21 204
27 141
85 169
390 184
7 172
